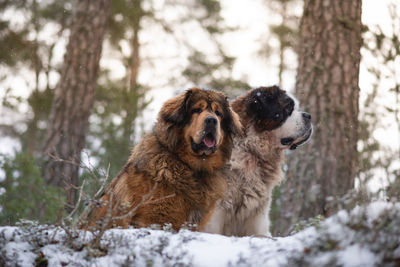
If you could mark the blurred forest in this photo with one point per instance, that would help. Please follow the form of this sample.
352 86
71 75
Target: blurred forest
172 45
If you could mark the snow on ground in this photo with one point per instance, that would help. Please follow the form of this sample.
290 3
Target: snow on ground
365 236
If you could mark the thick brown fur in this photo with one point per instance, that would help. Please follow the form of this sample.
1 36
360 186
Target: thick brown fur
269 118
164 180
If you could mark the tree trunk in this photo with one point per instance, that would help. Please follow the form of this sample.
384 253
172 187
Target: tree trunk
327 87
74 95
132 98
135 63
133 91
282 44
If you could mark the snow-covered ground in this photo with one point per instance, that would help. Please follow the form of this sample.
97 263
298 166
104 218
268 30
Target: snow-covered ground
365 236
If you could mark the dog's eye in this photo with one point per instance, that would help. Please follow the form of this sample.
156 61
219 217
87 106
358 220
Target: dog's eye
196 110
277 115
219 114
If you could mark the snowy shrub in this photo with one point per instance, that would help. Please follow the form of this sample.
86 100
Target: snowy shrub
366 236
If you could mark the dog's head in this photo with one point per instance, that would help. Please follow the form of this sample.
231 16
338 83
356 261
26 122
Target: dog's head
272 111
199 126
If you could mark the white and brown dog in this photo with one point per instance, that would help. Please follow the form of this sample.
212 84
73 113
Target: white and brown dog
272 122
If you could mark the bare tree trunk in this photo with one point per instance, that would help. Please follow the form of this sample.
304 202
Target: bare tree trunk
133 91
74 95
282 45
135 63
32 130
327 85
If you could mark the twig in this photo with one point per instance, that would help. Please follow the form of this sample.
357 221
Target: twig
96 241
88 208
109 218
79 200
133 210
104 183
73 162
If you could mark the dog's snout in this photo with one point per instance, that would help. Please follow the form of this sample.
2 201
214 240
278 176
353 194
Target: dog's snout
306 116
211 121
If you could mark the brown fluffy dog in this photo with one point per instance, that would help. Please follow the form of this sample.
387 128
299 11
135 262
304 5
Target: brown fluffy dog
272 123
175 173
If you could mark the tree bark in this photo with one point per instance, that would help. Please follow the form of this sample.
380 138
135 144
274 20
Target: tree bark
132 99
133 92
74 95
327 87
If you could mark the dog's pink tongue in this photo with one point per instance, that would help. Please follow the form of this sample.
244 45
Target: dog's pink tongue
209 141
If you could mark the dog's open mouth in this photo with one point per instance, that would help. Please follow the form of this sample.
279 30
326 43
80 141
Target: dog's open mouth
207 144
302 140
209 140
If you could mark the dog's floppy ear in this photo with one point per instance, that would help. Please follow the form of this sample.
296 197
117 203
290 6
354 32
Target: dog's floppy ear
171 119
175 110
231 122
236 125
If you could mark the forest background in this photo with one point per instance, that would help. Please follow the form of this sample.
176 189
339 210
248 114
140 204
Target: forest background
146 51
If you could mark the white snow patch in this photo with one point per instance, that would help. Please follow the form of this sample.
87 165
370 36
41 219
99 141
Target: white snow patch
356 256
342 240
8 232
215 250
375 209
20 252
343 216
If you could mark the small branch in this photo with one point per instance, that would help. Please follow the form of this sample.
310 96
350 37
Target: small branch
133 210
79 200
82 218
104 183
96 242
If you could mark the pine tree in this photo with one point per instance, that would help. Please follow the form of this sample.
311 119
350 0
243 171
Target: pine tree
327 85
74 96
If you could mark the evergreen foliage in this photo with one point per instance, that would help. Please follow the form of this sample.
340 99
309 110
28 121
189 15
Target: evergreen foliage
25 194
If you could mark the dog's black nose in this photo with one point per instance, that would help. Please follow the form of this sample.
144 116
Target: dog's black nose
306 116
210 121
287 141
